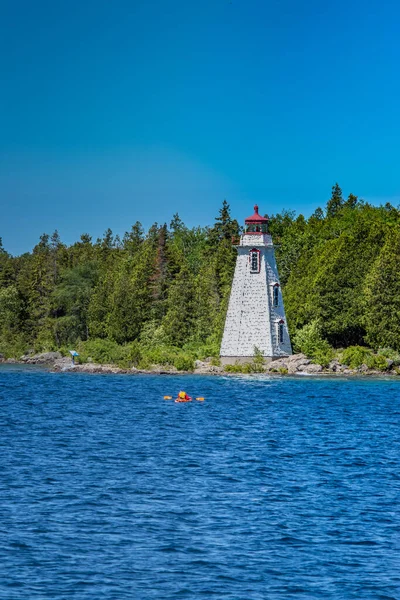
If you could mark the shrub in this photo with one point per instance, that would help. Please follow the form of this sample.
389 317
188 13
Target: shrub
233 368
258 360
390 354
245 368
107 351
215 361
378 362
310 342
355 356
184 363
14 347
323 356
202 350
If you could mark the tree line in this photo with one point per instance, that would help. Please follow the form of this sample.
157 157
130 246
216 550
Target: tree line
164 293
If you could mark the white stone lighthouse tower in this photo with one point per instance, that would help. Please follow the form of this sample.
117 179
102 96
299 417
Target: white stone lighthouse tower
256 316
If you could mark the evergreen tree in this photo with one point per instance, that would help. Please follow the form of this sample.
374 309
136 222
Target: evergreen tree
351 201
179 319
338 270
133 239
336 201
159 278
225 227
382 296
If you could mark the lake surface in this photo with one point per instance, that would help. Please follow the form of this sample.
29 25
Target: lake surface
270 489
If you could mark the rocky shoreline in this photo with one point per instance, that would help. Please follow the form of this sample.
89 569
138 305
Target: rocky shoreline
297 364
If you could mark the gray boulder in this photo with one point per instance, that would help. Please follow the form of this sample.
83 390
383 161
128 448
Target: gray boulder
311 369
293 364
63 364
42 358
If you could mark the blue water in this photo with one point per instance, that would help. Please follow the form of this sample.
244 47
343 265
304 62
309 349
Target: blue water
271 489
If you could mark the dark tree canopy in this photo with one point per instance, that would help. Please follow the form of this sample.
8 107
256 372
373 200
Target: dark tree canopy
169 286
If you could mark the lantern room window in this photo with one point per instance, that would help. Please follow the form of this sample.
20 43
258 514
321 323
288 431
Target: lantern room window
275 295
254 261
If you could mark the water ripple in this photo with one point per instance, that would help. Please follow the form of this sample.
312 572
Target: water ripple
273 488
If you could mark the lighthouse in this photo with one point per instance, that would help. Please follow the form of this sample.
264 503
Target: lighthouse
256 315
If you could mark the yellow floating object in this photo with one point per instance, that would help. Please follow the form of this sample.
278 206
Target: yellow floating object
201 399
167 397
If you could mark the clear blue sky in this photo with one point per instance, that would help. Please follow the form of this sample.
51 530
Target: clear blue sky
112 112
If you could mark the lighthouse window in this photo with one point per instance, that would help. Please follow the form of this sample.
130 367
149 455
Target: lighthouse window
254 261
280 332
275 295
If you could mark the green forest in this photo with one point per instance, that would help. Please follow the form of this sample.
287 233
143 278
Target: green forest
160 297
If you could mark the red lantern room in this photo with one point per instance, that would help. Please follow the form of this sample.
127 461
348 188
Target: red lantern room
256 223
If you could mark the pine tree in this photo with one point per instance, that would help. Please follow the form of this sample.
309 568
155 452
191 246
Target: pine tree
351 201
133 239
225 227
159 277
382 296
179 319
336 201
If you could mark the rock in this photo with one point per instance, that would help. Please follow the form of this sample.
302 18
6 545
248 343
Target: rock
276 364
41 359
363 369
2 357
207 369
163 369
311 368
214 369
334 366
293 364
298 359
63 364
96 368
198 364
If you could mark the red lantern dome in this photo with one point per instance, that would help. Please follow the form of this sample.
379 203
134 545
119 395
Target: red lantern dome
256 223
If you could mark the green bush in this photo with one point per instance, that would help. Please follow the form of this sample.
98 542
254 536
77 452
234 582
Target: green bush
245 368
323 356
184 363
258 360
107 351
355 356
163 355
390 354
233 368
166 356
14 347
202 350
376 361
215 361
310 342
